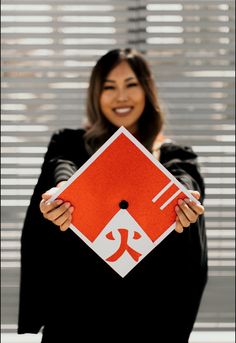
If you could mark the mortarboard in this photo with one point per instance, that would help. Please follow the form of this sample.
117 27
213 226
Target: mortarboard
124 201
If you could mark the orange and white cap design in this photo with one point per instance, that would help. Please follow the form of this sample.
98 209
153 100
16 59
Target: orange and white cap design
124 201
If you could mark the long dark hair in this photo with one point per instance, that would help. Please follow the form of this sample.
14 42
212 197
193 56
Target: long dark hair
98 128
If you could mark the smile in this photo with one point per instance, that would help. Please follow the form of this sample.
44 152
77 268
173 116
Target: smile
122 111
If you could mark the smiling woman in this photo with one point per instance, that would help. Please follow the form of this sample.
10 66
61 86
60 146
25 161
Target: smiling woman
122 99
122 91
65 286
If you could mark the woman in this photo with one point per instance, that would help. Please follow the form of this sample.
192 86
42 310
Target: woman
65 287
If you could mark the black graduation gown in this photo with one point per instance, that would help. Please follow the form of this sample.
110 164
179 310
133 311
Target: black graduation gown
73 293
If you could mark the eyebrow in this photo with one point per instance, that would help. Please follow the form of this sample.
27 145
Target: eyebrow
128 79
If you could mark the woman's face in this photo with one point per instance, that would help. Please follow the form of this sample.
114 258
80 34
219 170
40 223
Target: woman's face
122 100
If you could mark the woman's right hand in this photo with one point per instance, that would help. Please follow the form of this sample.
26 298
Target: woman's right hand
57 211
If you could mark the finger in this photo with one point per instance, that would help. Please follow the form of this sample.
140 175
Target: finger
57 212
179 228
182 218
50 192
197 208
188 212
63 218
46 207
196 194
46 196
65 225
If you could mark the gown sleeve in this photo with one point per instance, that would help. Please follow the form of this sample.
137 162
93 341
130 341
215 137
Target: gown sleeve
182 162
38 239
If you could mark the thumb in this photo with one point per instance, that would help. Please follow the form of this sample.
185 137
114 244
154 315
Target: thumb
47 195
196 194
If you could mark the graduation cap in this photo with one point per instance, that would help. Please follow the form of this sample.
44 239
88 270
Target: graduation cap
124 201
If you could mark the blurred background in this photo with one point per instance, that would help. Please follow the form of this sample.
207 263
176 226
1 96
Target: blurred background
48 50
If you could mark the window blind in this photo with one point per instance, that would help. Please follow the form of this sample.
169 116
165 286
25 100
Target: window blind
48 50
191 48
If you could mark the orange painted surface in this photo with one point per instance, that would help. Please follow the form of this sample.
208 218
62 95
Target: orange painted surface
121 172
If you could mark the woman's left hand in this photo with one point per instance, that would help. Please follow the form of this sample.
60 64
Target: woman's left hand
187 212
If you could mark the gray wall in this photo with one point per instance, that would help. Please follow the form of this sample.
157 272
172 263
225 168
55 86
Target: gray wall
48 50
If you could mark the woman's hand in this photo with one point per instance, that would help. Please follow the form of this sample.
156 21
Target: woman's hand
187 212
57 211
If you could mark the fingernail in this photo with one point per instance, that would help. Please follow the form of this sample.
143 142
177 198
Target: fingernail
180 201
59 202
187 201
71 209
67 204
193 203
177 208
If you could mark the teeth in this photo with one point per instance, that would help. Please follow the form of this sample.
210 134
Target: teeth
123 110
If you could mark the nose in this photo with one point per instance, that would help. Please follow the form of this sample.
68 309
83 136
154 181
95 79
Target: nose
122 95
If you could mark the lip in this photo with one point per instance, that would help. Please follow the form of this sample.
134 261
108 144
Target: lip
122 111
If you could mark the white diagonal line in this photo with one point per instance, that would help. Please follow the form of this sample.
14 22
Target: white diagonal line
162 191
170 199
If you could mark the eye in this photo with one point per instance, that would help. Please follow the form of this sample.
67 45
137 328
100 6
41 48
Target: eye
134 84
108 87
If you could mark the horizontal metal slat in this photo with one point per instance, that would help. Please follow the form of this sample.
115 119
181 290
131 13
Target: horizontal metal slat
129 2
107 43
77 69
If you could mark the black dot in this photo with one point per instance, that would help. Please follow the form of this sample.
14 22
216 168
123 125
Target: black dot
124 204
